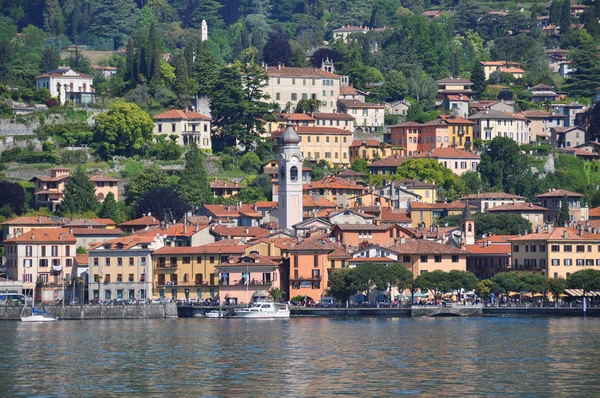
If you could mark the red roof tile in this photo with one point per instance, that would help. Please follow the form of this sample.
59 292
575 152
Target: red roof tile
45 235
179 114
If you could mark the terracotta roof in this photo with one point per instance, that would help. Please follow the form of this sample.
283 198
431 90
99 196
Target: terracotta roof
284 71
450 80
45 235
491 195
142 221
48 178
513 70
179 114
389 215
453 153
232 211
492 114
61 72
256 259
492 63
350 173
124 242
82 259
437 206
332 116
95 231
368 143
334 183
458 98
87 222
424 246
409 183
496 249
104 178
354 103
540 114
348 90
555 193
39 220
314 130
323 245
309 202
266 205
198 220
372 260
294 117
581 152
497 239
364 227
224 184
178 229
390 161
562 130
452 119
517 206
235 232
557 234
229 248
595 212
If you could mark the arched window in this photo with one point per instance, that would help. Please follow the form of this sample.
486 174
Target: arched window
100 196
470 228
294 174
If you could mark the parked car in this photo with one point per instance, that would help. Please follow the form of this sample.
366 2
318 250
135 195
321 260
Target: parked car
328 302
156 301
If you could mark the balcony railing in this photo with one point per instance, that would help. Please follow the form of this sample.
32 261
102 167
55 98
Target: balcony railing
243 283
166 265
303 278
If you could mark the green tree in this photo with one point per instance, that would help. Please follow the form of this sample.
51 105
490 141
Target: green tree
123 130
472 183
110 209
194 187
505 168
238 104
251 195
79 194
565 18
276 294
150 177
13 196
396 274
555 12
162 202
484 289
533 283
50 60
430 170
264 184
339 284
505 282
360 165
461 280
205 69
54 21
501 224
437 281
113 19
586 68
478 78
250 163
556 286
586 280
563 215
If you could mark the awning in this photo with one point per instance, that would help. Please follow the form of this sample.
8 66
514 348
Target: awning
260 293
579 293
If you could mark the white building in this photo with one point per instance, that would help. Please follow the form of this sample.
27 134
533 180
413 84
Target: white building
491 124
67 84
287 86
189 127
368 116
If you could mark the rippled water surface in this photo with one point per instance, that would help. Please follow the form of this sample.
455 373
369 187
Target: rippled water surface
302 357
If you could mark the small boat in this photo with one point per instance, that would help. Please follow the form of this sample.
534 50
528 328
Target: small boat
39 316
215 314
264 310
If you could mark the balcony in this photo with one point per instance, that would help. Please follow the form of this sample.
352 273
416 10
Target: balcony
242 283
314 278
166 265
167 283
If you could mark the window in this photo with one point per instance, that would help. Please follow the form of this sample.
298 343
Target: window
438 259
107 278
95 261
516 248
131 261
173 127
406 259
43 251
568 248
294 96
27 263
423 259
119 277
579 261
28 251
54 251
107 261
589 262
543 248
277 96
454 259
568 261
580 248
43 262
120 261
555 248
130 279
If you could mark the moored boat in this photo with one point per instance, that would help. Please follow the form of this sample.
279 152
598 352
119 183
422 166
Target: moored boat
264 310
215 314
39 316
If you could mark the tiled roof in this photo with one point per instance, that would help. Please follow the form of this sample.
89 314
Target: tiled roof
496 249
179 229
513 70
39 220
452 119
371 260
284 71
179 114
491 195
555 193
82 259
333 183
87 222
332 116
409 183
309 202
104 178
348 90
595 212
95 231
492 114
424 246
453 153
394 215
245 232
368 143
354 103
142 221
224 184
311 246
350 173
363 227
314 130
124 242
492 63
540 114
390 161
198 220
294 117
557 234
50 179
233 246
45 235
266 205
517 206
233 211
451 80
497 239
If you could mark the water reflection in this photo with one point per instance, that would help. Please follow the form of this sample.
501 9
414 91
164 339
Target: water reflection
302 357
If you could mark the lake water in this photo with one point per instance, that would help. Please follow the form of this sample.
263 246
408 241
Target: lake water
500 357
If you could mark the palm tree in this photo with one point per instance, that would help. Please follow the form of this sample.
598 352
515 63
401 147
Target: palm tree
276 294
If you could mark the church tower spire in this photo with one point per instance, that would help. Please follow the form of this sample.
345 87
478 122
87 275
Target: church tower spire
467 223
290 178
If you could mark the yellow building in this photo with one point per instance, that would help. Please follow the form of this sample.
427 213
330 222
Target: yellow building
532 213
189 272
317 143
370 149
556 253
460 131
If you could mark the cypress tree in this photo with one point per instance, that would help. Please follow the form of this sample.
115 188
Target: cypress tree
565 18
206 69
188 54
79 194
478 78
110 208
130 58
563 216
194 187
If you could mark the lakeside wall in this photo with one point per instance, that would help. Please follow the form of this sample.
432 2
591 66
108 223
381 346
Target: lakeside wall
142 311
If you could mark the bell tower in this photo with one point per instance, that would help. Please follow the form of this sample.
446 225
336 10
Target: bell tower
290 178
467 223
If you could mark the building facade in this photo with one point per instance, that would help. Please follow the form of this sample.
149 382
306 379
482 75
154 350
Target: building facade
190 128
67 85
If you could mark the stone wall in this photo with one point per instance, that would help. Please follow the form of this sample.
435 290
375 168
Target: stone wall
142 311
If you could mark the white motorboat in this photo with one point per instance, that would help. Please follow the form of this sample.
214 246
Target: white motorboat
39 316
215 314
264 310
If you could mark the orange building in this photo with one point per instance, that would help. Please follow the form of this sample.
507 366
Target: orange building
357 235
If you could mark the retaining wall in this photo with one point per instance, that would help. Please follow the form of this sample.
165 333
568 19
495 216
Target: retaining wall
142 311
